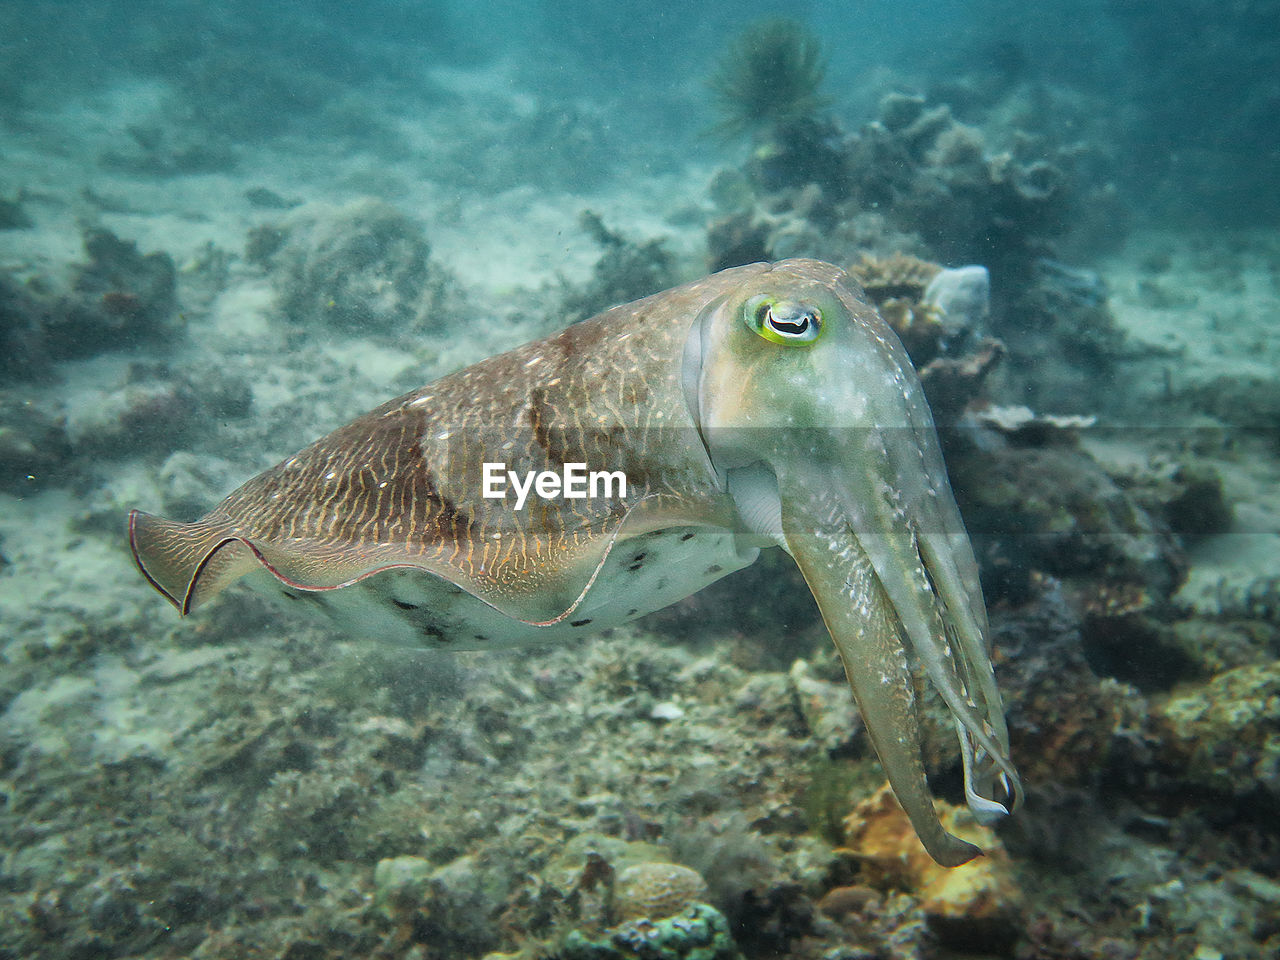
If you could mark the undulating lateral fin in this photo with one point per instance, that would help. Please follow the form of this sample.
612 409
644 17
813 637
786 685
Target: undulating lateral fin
187 562
190 563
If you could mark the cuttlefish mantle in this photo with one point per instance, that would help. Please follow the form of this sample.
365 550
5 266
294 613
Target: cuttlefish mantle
766 405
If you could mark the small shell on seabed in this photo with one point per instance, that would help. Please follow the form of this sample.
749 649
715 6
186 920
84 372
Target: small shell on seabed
655 891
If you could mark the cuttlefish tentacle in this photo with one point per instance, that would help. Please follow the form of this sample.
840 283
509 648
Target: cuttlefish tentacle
969 681
963 678
864 624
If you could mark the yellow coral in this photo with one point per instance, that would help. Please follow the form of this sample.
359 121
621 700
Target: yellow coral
878 834
911 318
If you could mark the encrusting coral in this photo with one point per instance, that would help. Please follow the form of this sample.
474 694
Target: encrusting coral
941 315
699 933
897 284
897 275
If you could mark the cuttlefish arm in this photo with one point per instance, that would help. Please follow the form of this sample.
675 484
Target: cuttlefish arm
862 620
867 627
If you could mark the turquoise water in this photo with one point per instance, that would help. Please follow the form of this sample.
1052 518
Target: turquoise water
226 230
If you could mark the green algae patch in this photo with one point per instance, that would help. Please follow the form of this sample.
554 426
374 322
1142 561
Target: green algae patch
1226 732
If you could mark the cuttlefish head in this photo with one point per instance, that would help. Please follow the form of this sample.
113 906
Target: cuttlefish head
816 424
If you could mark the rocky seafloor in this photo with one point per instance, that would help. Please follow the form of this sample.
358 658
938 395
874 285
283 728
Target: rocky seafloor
247 784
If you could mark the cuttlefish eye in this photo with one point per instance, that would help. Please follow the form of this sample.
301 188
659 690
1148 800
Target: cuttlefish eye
783 321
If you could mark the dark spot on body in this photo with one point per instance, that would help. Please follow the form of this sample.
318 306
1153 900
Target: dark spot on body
635 566
481 637
291 596
404 606
714 568
632 612
687 536
448 519
579 623
639 556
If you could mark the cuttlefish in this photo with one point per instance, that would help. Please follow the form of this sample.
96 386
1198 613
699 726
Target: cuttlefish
658 447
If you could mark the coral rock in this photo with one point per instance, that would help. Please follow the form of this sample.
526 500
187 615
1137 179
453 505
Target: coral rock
1221 735
364 267
899 110
627 270
952 383
897 275
963 297
976 902
828 710
655 891
741 237
934 310
121 298
152 411
33 446
698 933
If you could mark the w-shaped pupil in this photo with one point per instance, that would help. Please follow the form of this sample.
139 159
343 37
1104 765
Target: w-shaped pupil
789 328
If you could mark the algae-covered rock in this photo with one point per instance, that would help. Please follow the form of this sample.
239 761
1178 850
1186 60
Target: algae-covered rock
829 712
1051 507
34 450
449 907
400 884
1187 493
364 267
699 933
1224 735
120 298
627 270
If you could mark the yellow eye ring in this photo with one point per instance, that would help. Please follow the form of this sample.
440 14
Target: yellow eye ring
788 322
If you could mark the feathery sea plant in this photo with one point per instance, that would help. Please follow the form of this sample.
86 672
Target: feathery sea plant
768 79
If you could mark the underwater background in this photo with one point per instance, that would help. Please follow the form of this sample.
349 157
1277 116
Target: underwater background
226 229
